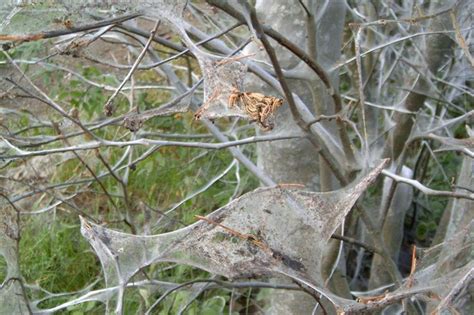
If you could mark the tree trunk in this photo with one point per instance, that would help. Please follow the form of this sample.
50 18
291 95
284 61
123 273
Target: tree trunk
437 48
296 161
392 230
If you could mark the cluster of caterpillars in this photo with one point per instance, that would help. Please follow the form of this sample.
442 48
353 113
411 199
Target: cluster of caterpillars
259 107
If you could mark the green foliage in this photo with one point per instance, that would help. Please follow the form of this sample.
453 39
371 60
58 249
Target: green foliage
3 269
440 176
85 308
55 255
214 305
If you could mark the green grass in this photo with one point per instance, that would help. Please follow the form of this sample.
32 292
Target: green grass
54 254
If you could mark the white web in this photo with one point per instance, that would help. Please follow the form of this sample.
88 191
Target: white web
221 77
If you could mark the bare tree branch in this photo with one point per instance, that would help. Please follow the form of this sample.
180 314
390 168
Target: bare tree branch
426 190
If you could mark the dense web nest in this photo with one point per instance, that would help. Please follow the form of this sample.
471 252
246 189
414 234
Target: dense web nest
244 239
223 86
220 78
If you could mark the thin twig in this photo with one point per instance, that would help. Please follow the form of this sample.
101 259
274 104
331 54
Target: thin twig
108 108
313 294
464 282
72 30
360 84
308 14
143 141
392 42
183 52
460 39
128 207
426 190
351 240
247 237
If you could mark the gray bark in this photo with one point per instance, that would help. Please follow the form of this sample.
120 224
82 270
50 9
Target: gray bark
297 161
460 217
437 48
461 212
392 230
